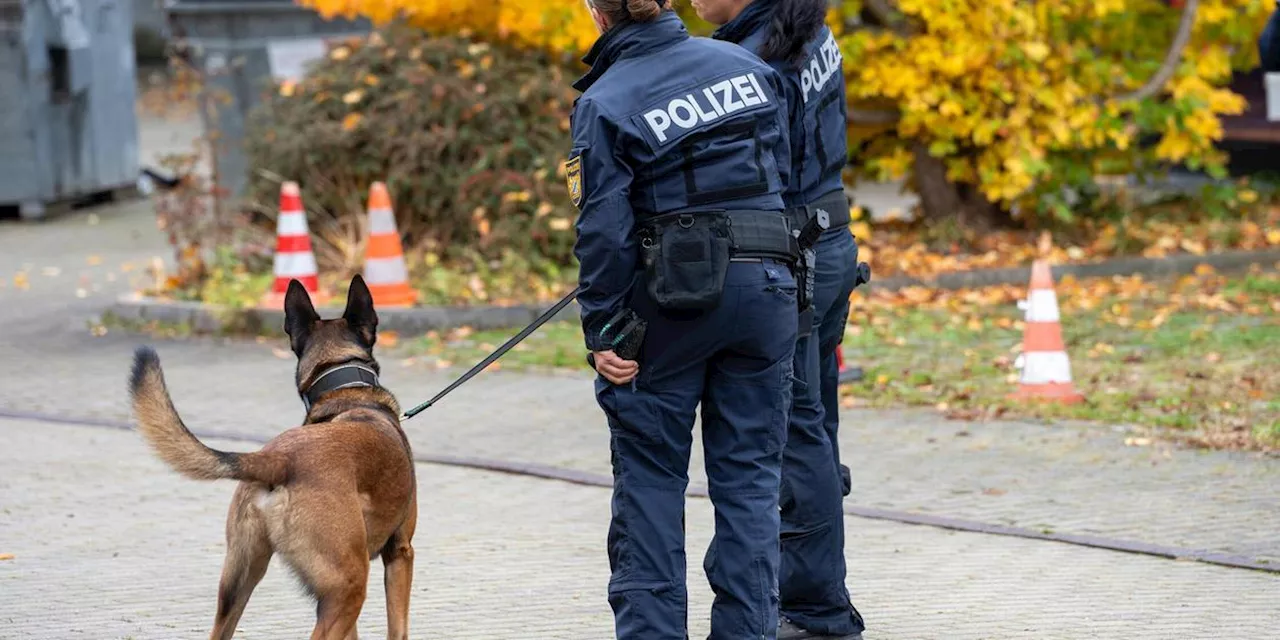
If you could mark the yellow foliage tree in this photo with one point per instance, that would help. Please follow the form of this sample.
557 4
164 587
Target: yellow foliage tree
994 103
981 105
561 26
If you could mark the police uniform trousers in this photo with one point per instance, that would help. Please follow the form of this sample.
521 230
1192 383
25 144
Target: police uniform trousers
736 360
812 576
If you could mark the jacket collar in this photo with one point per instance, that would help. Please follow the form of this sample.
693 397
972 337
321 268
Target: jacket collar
754 17
630 39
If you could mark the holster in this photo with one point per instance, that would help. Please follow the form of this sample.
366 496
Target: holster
686 256
804 220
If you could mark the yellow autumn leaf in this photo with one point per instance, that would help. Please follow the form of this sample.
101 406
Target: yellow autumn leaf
351 121
353 96
340 53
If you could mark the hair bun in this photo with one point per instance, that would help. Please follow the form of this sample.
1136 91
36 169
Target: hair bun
644 10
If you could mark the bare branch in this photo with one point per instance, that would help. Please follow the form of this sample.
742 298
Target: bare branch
888 15
1171 59
873 116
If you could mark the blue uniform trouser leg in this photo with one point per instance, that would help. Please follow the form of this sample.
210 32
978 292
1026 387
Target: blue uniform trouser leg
736 362
835 281
812 585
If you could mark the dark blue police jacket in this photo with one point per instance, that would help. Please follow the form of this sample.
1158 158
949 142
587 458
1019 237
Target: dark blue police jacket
666 123
815 97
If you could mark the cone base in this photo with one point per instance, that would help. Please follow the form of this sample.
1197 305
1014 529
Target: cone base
393 295
1063 392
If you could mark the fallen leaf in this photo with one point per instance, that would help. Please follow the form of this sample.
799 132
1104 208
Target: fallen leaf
6 556
389 338
1205 270
1213 357
351 121
1137 442
992 491
20 281
443 364
52 272
93 260
352 97
280 353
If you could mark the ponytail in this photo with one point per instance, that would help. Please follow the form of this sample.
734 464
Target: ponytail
794 23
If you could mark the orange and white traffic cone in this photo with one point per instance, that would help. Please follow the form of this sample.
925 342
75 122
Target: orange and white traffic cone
384 268
1046 369
294 258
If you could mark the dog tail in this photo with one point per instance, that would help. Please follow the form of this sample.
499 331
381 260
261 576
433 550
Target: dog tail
163 429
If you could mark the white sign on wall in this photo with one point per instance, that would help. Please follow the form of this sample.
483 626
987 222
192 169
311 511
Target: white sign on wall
289 59
1272 83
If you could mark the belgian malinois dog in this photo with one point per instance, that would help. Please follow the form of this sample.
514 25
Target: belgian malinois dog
329 495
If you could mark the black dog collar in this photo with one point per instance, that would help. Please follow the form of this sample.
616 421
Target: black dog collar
343 376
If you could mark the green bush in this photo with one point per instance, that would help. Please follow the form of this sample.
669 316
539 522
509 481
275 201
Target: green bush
469 138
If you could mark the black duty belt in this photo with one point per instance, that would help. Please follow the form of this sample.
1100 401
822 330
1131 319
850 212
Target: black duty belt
753 234
836 204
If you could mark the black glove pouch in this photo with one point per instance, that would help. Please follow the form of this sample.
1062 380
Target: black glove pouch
685 259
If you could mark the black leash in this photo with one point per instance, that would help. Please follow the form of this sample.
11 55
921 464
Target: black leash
524 333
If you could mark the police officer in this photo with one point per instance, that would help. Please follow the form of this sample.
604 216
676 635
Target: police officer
678 165
791 37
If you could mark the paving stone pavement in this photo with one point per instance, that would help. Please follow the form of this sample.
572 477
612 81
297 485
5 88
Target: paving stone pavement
1062 478
110 544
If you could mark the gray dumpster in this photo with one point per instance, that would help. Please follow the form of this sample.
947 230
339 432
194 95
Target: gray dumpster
68 130
241 46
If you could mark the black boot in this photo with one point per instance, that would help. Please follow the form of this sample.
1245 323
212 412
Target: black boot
788 630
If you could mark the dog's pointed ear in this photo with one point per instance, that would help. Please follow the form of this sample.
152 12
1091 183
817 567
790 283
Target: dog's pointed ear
300 316
360 315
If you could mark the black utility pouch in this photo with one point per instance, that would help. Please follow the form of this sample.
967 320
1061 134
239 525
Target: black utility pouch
685 259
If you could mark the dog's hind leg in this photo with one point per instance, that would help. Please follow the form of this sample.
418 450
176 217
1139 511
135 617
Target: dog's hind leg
248 555
341 597
333 561
397 559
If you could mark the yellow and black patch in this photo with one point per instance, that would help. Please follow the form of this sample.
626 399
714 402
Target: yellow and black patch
573 174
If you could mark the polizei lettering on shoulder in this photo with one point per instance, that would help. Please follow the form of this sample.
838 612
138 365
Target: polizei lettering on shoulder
825 63
705 105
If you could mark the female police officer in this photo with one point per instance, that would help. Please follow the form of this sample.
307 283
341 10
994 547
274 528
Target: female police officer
791 37
678 162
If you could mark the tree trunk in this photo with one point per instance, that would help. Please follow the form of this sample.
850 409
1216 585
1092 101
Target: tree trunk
943 200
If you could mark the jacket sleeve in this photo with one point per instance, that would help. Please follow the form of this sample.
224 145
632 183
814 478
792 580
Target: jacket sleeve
1269 43
605 247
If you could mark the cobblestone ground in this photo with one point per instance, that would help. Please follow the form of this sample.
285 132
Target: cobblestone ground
1068 479
108 543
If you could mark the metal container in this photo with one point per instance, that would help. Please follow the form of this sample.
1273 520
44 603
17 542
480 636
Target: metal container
241 47
67 91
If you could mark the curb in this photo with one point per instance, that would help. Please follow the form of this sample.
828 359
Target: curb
205 318
1234 261
591 479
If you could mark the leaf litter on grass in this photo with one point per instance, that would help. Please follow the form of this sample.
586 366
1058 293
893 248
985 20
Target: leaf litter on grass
1195 354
